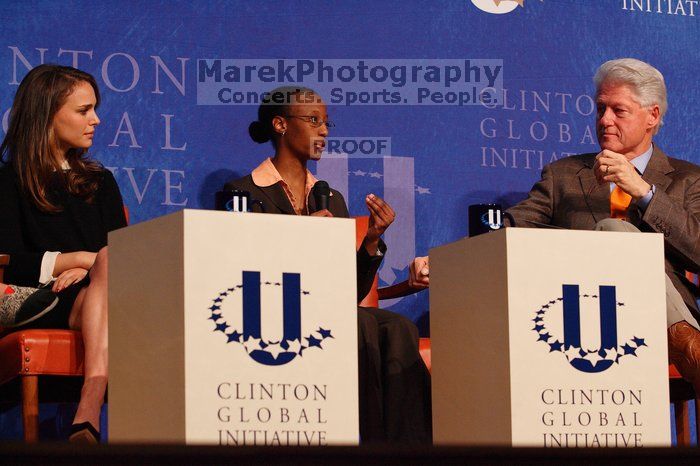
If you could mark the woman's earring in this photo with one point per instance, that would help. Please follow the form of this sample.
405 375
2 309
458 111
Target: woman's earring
284 132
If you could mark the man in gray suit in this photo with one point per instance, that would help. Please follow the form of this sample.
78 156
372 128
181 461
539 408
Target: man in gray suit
633 180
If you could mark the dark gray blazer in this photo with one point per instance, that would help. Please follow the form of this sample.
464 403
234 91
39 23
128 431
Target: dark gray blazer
569 196
276 202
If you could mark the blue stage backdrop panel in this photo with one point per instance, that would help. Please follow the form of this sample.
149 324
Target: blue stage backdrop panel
168 152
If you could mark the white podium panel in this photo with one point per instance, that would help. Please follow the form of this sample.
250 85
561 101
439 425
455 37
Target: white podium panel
550 338
233 329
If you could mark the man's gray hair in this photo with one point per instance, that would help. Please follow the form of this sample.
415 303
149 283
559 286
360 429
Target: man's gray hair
645 81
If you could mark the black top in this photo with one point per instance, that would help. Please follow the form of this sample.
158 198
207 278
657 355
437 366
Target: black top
276 201
26 232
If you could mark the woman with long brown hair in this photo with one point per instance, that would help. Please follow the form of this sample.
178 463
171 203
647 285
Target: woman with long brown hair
57 207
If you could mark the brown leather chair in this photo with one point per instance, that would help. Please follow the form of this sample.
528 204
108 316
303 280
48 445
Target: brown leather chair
681 393
29 354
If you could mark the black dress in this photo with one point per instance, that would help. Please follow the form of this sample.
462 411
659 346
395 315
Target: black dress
26 233
394 384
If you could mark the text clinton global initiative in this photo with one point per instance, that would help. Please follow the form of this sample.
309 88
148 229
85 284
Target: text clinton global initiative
294 413
591 417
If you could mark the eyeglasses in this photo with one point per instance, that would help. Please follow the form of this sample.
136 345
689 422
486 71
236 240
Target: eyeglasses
313 120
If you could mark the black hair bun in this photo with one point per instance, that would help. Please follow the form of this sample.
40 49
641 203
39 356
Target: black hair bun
258 132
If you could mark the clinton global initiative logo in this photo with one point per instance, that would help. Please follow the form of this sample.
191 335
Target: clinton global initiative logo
498 7
241 308
492 219
558 325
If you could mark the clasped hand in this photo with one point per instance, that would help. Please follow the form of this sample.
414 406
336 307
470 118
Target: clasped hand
611 167
419 273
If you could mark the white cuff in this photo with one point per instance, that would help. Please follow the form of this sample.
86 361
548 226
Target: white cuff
48 262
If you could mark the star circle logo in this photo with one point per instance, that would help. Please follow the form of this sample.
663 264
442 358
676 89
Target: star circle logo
242 302
567 308
488 221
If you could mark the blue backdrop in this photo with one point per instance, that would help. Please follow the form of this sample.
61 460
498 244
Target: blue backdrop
168 152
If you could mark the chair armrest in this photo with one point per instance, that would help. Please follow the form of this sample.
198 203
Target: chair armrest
4 260
397 291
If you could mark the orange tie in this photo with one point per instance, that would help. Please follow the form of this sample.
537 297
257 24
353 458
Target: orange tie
619 202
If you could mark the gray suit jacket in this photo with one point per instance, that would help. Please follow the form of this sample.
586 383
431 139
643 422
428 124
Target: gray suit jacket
569 196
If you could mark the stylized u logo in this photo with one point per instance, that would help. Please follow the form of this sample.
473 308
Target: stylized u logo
291 299
492 219
572 325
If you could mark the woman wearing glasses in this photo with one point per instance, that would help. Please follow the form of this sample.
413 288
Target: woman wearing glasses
394 383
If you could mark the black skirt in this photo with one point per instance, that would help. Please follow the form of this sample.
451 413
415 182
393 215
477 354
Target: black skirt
58 316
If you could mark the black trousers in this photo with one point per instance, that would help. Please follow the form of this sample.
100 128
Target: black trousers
395 404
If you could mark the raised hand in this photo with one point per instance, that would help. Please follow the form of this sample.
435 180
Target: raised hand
381 215
611 167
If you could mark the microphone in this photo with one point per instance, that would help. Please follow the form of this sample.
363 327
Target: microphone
321 192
